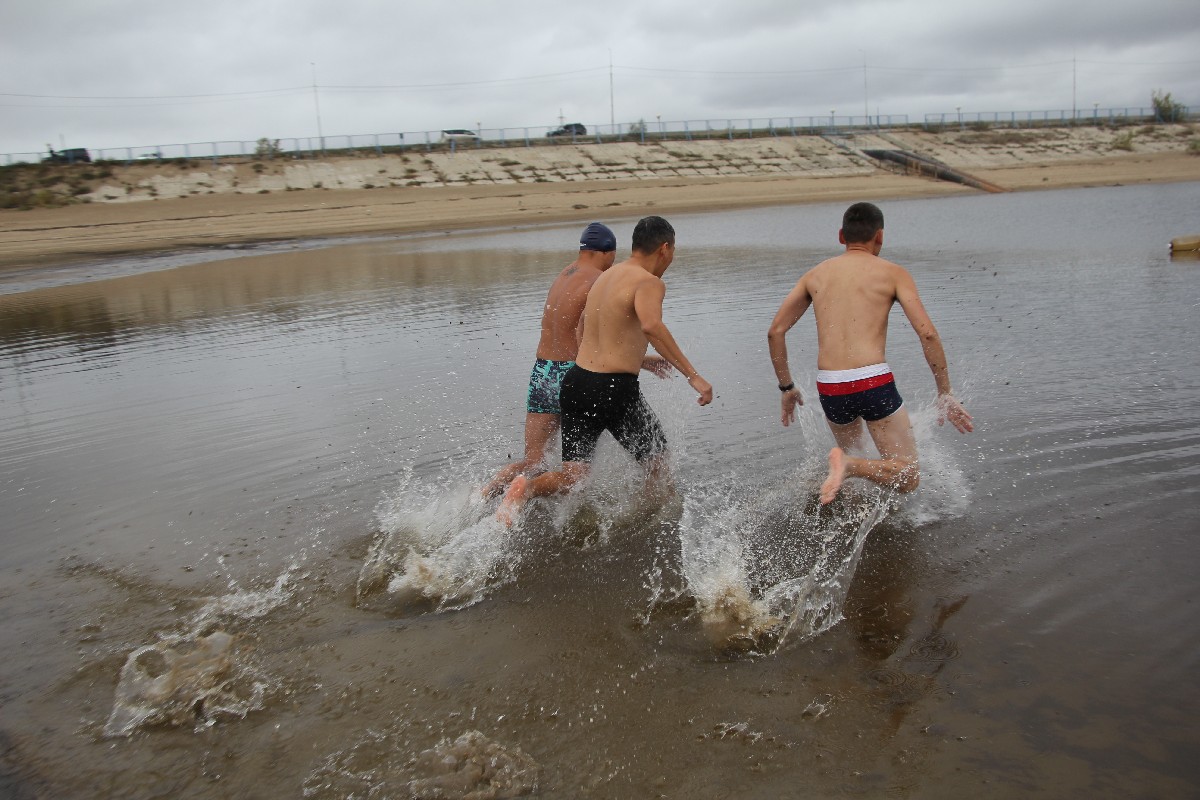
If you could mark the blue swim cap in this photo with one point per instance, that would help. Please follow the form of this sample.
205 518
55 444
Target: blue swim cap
599 238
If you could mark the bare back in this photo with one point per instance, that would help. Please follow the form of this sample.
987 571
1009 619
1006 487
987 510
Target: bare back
560 317
613 339
852 297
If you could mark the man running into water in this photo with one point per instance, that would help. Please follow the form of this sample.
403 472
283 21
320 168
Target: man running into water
557 347
851 296
622 316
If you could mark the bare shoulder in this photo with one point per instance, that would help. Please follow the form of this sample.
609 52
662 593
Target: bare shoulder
899 274
824 266
812 277
638 277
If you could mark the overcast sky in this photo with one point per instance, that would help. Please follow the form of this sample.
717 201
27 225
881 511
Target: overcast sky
117 73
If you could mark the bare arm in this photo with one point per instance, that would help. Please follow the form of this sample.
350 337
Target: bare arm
935 355
790 312
657 365
579 332
647 304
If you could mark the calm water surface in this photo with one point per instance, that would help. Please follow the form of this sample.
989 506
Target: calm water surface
242 556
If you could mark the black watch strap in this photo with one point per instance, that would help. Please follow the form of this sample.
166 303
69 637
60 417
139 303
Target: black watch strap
787 388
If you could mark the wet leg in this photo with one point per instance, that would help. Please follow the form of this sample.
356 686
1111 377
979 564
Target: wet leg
548 483
539 430
660 484
849 439
896 468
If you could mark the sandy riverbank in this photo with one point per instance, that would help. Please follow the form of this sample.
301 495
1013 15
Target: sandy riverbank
161 208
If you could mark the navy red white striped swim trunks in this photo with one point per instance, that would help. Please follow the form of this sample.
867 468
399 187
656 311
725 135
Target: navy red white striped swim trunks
868 392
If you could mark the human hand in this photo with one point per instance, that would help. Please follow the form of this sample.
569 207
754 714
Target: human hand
791 402
949 408
657 366
703 387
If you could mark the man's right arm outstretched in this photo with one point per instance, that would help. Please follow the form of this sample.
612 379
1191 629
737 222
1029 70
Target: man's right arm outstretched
948 405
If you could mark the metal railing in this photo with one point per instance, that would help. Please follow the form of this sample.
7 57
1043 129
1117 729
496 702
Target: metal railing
643 132
378 144
1035 119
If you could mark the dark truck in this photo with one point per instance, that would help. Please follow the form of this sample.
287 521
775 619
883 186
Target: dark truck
571 129
73 155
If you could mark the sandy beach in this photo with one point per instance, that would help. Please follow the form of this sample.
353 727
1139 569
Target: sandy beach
155 207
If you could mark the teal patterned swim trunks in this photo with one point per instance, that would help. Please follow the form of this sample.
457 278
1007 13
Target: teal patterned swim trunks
544 383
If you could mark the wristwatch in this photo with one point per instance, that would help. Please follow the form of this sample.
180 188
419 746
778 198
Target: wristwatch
787 388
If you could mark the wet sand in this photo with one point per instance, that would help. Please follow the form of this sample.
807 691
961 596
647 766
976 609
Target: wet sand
47 237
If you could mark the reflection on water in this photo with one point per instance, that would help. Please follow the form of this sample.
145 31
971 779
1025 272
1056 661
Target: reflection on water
244 551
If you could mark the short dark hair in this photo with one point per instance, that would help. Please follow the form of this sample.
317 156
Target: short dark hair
651 233
861 222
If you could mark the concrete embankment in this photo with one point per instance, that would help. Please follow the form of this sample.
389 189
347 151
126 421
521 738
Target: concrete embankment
839 155
199 204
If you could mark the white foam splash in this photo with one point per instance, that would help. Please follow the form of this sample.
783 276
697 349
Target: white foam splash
945 492
447 548
766 569
195 677
182 679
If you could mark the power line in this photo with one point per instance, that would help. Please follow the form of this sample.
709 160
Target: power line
333 87
184 99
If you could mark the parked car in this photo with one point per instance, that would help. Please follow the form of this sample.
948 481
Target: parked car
72 155
570 129
459 135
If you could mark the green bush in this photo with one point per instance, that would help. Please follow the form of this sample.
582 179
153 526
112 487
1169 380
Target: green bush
267 148
1166 109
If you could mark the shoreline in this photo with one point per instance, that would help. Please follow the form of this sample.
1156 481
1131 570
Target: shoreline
47 238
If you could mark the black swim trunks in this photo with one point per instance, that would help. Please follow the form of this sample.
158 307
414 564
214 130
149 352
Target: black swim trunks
594 402
867 392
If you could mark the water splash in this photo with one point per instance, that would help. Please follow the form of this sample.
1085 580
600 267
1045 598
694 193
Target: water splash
774 565
196 677
471 767
442 547
180 680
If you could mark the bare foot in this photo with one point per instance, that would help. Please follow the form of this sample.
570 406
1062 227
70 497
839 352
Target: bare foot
837 474
514 498
495 487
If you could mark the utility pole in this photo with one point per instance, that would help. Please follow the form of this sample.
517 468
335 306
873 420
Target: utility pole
317 103
612 114
866 106
1072 88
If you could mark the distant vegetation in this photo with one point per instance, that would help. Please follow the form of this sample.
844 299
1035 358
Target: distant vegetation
1123 141
29 186
1166 109
267 148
